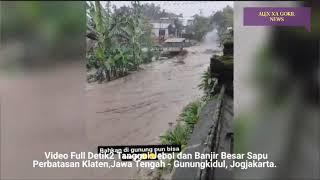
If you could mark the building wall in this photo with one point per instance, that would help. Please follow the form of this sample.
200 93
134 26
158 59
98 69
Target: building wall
155 32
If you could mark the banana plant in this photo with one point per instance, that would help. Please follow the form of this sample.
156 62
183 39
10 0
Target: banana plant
119 39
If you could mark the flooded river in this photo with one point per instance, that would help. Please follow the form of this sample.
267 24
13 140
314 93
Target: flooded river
137 108
50 112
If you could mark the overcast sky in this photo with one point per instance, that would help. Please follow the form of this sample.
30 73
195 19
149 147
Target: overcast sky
187 8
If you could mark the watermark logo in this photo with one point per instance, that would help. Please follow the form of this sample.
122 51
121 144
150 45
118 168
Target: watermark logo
272 16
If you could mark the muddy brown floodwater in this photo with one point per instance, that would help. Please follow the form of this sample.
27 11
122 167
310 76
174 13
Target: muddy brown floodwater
46 111
138 108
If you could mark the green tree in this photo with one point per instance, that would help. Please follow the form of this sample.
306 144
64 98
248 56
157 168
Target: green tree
121 36
222 20
200 27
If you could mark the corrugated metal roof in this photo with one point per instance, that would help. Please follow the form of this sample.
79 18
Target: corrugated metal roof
175 40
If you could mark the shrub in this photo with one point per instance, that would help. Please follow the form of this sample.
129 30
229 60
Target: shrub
190 114
178 136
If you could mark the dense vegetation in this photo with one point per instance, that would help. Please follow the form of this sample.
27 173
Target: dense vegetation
208 85
221 20
120 37
200 27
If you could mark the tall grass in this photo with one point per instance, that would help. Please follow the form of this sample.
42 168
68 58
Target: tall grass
190 114
177 136
182 131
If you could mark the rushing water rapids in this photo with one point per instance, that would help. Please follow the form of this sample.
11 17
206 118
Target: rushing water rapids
49 112
137 108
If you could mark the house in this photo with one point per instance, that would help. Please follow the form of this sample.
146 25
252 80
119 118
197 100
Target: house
160 30
163 29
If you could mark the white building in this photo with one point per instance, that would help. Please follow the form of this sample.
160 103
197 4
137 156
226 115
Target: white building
160 29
